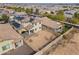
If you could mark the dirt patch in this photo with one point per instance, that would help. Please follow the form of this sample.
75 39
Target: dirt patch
40 39
69 46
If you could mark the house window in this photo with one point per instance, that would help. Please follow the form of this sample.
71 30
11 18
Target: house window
31 31
6 47
35 29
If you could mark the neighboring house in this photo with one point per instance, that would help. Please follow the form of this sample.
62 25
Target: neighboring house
42 11
27 25
9 11
23 50
11 18
20 14
17 23
1 10
9 38
32 27
69 13
56 26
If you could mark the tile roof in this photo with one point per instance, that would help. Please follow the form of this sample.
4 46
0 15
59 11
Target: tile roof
7 32
50 23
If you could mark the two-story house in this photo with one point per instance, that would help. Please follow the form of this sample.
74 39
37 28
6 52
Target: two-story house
69 13
33 26
54 25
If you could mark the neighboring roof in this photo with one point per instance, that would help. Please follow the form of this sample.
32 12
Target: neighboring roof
70 12
20 14
18 17
28 27
7 32
15 24
9 10
1 10
26 19
37 19
23 50
50 23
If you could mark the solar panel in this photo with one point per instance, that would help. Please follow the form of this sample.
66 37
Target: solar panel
17 25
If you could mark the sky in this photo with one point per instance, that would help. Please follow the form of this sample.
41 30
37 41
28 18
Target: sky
39 1
39 56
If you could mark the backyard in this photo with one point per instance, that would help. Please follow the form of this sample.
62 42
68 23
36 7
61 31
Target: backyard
40 39
69 44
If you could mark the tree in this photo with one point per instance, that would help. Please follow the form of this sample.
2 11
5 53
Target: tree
52 12
65 6
37 11
18 9
60 12
29 10
4 18
53 17
45 14
60 17
76 15
75 20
